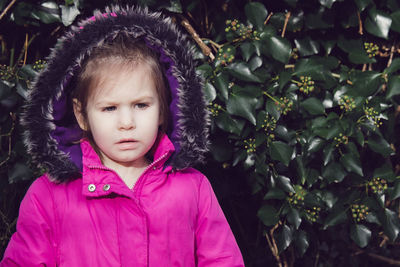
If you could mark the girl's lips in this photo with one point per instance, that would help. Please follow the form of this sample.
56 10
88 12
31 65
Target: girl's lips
127 144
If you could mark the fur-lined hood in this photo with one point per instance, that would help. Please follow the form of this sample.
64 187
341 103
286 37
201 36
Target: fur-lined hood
51 129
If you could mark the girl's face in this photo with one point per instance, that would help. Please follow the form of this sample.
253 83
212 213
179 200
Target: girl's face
123 116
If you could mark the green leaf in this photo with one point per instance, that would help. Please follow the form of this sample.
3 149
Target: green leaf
360 234
322 19
255 63
366 83
285 184
351 163
279 48
328 153
242 105
248 50
221 82
362 4
395 21
334 172
47 12
284 238
393 86
307 46
378 24
390 223
275 193
327 3
315 145
256 14
385 172
209 92
379 145
313 106
281 151
360 57
395 66
395 192
337 216
68 14
242 71
301 242
268 215
229 124
204 70
294 218
174 6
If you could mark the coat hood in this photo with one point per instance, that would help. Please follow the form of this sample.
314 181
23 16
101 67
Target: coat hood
51 130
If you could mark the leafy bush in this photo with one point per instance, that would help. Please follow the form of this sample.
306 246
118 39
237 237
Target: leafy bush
304 97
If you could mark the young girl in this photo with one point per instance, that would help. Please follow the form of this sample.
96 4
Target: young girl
117 118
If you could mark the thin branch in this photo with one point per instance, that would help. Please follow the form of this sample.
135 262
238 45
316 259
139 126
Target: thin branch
285 25
267 19
26 49
204 48
7 8
9 135
391 56
360 26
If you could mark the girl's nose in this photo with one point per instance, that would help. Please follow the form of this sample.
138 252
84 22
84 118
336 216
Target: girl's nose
126 121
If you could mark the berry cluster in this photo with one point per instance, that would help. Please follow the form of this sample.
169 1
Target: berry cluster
371 49
226 55
269 125
239 29
39 65
250 145
312 214
215 109
377 185
373 116
341 139
284 105
359 212
298 197
6 72
306 84
347 103
294 54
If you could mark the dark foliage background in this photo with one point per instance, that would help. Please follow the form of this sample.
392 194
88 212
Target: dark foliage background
304 96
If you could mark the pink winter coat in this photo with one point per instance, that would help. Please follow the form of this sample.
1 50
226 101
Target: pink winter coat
167 219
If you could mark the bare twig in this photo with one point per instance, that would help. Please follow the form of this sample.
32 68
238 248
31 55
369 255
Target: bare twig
9 135
267 19
360 26
364 68
285 25
272 244
381 258
204 48
7 8
391 56
26 49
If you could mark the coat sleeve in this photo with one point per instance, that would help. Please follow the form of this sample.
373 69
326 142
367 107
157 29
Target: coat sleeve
33 244
215 243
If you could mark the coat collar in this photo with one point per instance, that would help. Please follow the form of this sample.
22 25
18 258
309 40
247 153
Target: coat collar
99 180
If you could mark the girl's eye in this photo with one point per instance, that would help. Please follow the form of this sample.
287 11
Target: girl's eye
110 108
142 105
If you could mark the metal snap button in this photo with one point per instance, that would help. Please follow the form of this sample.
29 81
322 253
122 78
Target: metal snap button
91 188
106 187
154 167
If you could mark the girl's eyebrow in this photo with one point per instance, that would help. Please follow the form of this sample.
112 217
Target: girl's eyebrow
111 102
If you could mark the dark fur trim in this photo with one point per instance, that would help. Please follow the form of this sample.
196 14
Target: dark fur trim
65 61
